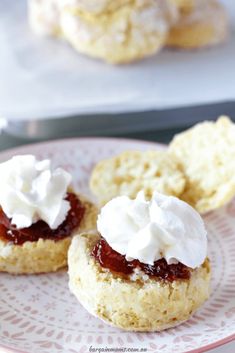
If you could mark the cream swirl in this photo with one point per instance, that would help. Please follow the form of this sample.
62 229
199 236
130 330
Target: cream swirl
164 227
30 191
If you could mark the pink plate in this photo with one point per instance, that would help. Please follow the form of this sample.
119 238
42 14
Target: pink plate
39 315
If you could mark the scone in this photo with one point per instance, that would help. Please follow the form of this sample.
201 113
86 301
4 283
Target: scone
133 31
204 25
132 171
38 216
117 31
143 286
206 154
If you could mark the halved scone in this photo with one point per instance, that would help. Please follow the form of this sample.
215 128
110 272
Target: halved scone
39 214
206 154
43 255
138 303
132 171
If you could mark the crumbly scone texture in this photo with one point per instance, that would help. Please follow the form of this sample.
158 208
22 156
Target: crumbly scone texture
206 154
133 31
44 255
117 31
123 31
205 25
132 171
151 305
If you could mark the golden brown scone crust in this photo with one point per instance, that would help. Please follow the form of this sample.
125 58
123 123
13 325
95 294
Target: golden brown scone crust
151 305
204 24
132 171
44 255
206 154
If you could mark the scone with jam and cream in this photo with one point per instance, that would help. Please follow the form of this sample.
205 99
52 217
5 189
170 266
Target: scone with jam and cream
39 214
146 269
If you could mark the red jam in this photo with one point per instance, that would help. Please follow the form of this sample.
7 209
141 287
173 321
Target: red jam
41 229
111 259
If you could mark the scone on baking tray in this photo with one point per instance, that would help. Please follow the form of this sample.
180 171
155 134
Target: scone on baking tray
204 23
146 268
122 31
206 154
132 171
39 214
184 6
117 31
133 31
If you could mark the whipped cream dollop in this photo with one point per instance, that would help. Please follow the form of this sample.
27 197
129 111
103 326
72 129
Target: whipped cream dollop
164 227
31 191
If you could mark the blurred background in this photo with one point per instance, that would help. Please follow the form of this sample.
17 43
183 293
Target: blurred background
49 91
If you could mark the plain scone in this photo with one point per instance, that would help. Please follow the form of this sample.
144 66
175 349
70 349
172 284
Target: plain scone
44 255
205 24
117 31
151 305
133 31
132 171
206 154
122 31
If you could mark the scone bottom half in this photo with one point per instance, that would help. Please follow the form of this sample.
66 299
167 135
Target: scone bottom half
39 249
135 301
133 171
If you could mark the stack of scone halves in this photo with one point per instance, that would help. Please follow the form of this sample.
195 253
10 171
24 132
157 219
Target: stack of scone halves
197 168
121 31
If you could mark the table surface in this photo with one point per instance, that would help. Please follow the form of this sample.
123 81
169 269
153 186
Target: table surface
7 141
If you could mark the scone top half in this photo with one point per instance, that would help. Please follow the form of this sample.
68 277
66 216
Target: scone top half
39 213
205 154
116 31
146 269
